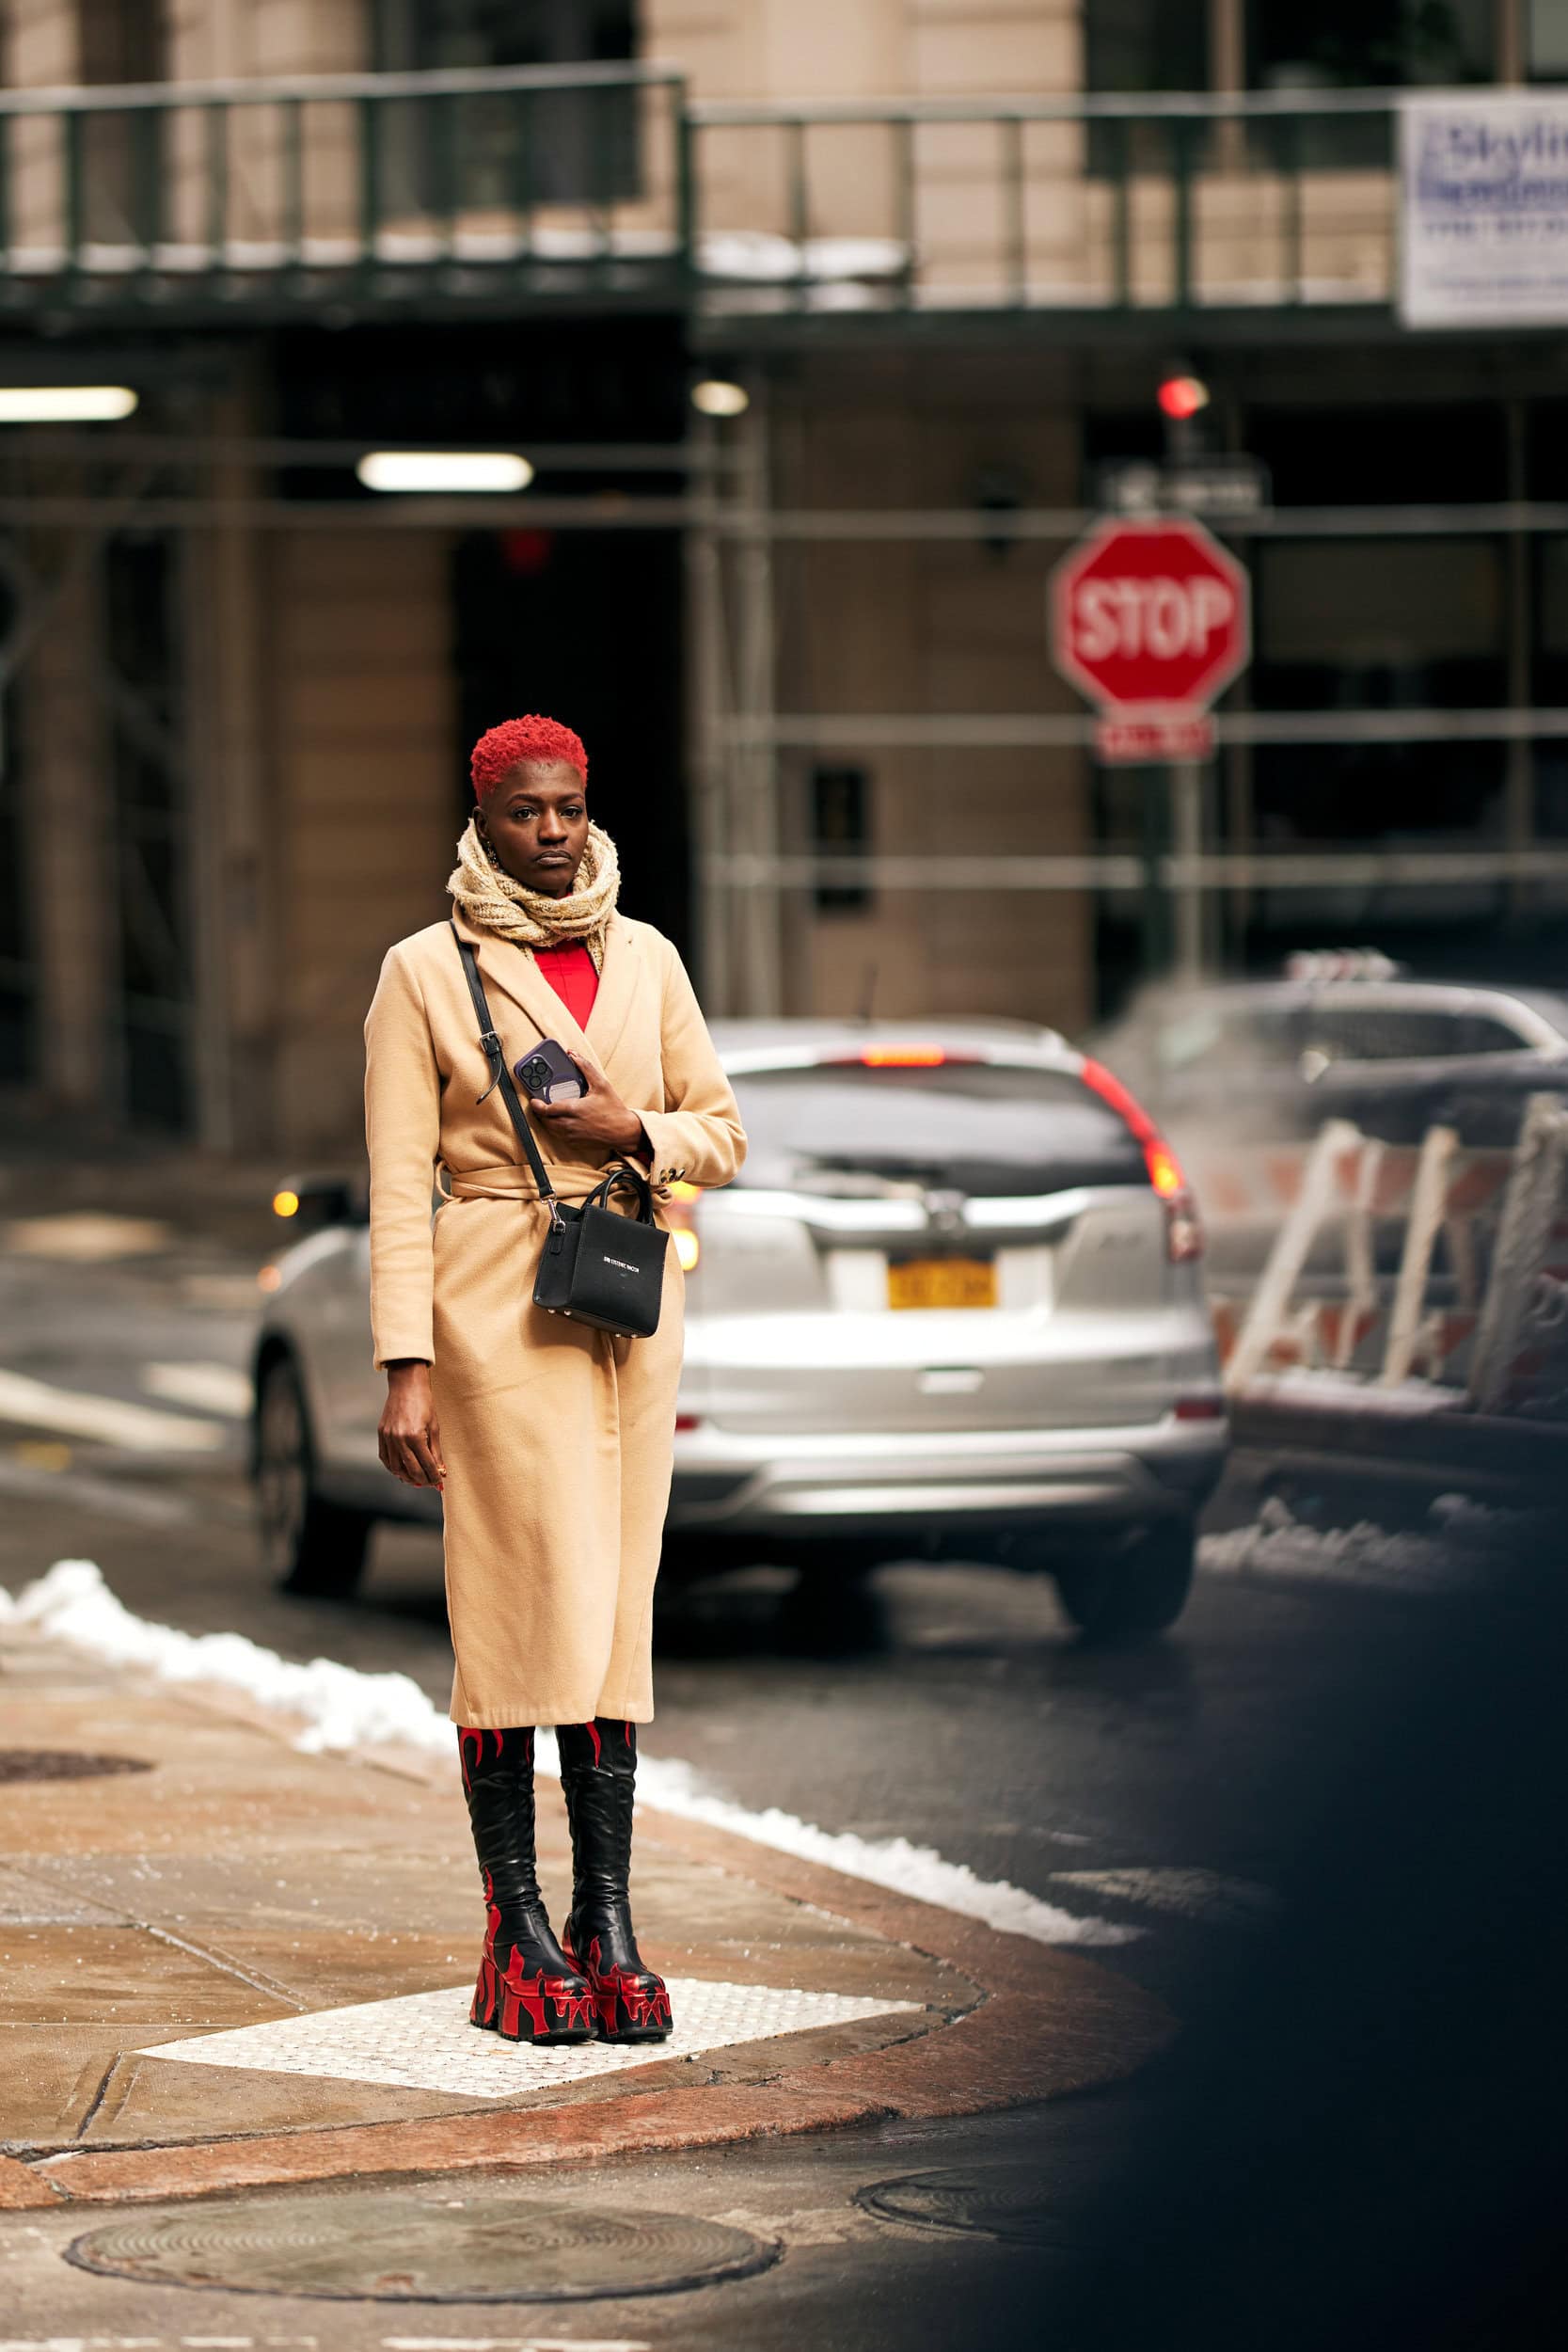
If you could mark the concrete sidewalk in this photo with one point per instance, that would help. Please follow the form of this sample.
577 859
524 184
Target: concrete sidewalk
175 1871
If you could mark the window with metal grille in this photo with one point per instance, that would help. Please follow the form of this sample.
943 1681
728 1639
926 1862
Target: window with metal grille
512 150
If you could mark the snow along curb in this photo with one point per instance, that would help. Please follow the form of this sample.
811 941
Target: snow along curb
343 1709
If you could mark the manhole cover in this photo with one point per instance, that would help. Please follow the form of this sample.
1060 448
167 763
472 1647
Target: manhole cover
385 2246
63 1764
1007 2203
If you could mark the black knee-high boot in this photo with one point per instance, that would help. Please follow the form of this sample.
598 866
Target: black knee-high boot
598 1771
528 1990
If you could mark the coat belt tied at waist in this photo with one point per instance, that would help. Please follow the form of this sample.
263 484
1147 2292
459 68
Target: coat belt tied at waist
512 1181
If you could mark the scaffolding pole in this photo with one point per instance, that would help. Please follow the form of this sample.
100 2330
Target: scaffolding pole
753 757
707 667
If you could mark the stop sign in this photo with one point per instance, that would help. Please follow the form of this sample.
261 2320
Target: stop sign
1150 616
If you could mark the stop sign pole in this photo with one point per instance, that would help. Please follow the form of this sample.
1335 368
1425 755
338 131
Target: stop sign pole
1152 620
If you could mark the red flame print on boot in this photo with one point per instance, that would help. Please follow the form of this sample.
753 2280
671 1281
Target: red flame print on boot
533 1997
525 1990
598 1774
545 2005
633 2003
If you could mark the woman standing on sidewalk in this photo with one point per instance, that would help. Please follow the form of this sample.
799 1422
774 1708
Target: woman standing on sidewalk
551 1441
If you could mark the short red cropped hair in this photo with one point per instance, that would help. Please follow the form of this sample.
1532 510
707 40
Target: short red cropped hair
498 750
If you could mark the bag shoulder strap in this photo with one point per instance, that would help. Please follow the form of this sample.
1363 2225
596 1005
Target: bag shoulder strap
495 1055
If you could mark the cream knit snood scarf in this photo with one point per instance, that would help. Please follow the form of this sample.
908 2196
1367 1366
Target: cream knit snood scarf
494 902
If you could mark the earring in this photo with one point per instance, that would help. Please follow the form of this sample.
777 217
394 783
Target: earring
489 847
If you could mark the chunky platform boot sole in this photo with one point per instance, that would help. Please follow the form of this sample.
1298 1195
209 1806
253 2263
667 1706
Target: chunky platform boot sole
545 2011
633 2004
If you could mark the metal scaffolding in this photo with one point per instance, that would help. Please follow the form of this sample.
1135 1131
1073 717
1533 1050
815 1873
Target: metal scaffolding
67 499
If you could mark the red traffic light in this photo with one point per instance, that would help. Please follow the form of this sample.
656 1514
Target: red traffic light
1181 396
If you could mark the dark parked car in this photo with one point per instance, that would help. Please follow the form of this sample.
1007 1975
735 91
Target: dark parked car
1273 1060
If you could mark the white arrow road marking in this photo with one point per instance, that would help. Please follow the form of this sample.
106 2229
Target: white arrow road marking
1192 1894
135 1428
205 1387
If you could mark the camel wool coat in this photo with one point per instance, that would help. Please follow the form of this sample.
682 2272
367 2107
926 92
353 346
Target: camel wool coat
558 1438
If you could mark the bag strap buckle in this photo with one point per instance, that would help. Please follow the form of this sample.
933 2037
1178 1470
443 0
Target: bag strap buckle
495 1054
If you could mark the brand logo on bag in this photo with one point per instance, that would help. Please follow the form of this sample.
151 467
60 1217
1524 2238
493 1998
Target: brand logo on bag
620 1264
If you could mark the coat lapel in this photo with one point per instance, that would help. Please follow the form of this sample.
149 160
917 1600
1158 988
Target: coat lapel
618 982
511 973
513 983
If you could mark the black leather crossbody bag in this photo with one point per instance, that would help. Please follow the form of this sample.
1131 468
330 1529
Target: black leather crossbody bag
598 1266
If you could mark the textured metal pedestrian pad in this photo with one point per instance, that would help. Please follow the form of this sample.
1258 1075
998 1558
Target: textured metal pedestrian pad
1006 2201
63 1764
424 2040
423 2246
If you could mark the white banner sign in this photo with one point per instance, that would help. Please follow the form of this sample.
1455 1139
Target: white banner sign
1484 209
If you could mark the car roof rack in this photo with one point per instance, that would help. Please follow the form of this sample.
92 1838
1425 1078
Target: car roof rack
1343 963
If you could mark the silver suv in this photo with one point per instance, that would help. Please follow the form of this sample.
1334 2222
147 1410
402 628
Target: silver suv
952 1307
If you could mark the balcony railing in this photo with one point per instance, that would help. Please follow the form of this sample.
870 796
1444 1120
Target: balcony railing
571 180
607 185
1074 203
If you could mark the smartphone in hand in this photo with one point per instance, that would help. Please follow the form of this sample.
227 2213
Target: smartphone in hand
550 1075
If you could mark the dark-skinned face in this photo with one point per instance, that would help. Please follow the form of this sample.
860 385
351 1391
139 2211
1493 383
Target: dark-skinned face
536 821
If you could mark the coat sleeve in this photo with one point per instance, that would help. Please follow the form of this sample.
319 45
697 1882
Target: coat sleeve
697 1138
402 1132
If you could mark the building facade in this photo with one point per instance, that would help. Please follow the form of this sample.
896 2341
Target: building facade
947 250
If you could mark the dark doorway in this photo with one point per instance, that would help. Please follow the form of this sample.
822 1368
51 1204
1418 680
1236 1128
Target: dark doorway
142 593
585 626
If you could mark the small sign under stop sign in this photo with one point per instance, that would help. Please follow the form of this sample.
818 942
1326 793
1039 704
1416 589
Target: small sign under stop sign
1150 620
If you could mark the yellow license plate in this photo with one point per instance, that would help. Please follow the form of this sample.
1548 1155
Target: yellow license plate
942 1283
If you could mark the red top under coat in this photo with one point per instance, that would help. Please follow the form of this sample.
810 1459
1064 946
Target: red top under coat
571 973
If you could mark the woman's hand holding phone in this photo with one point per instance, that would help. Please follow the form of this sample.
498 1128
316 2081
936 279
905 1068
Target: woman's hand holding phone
599 1117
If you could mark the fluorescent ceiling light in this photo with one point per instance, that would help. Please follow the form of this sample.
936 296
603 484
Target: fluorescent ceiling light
716 398
444 470
65 404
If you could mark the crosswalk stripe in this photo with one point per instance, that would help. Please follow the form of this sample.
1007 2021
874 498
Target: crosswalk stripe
136 1428
206 1388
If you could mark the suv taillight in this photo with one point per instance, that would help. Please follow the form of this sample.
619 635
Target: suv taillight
1183 1228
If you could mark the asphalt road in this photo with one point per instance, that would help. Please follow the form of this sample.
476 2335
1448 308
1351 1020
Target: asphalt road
1177 1794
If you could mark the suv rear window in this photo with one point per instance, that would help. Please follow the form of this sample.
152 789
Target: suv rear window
979 1128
